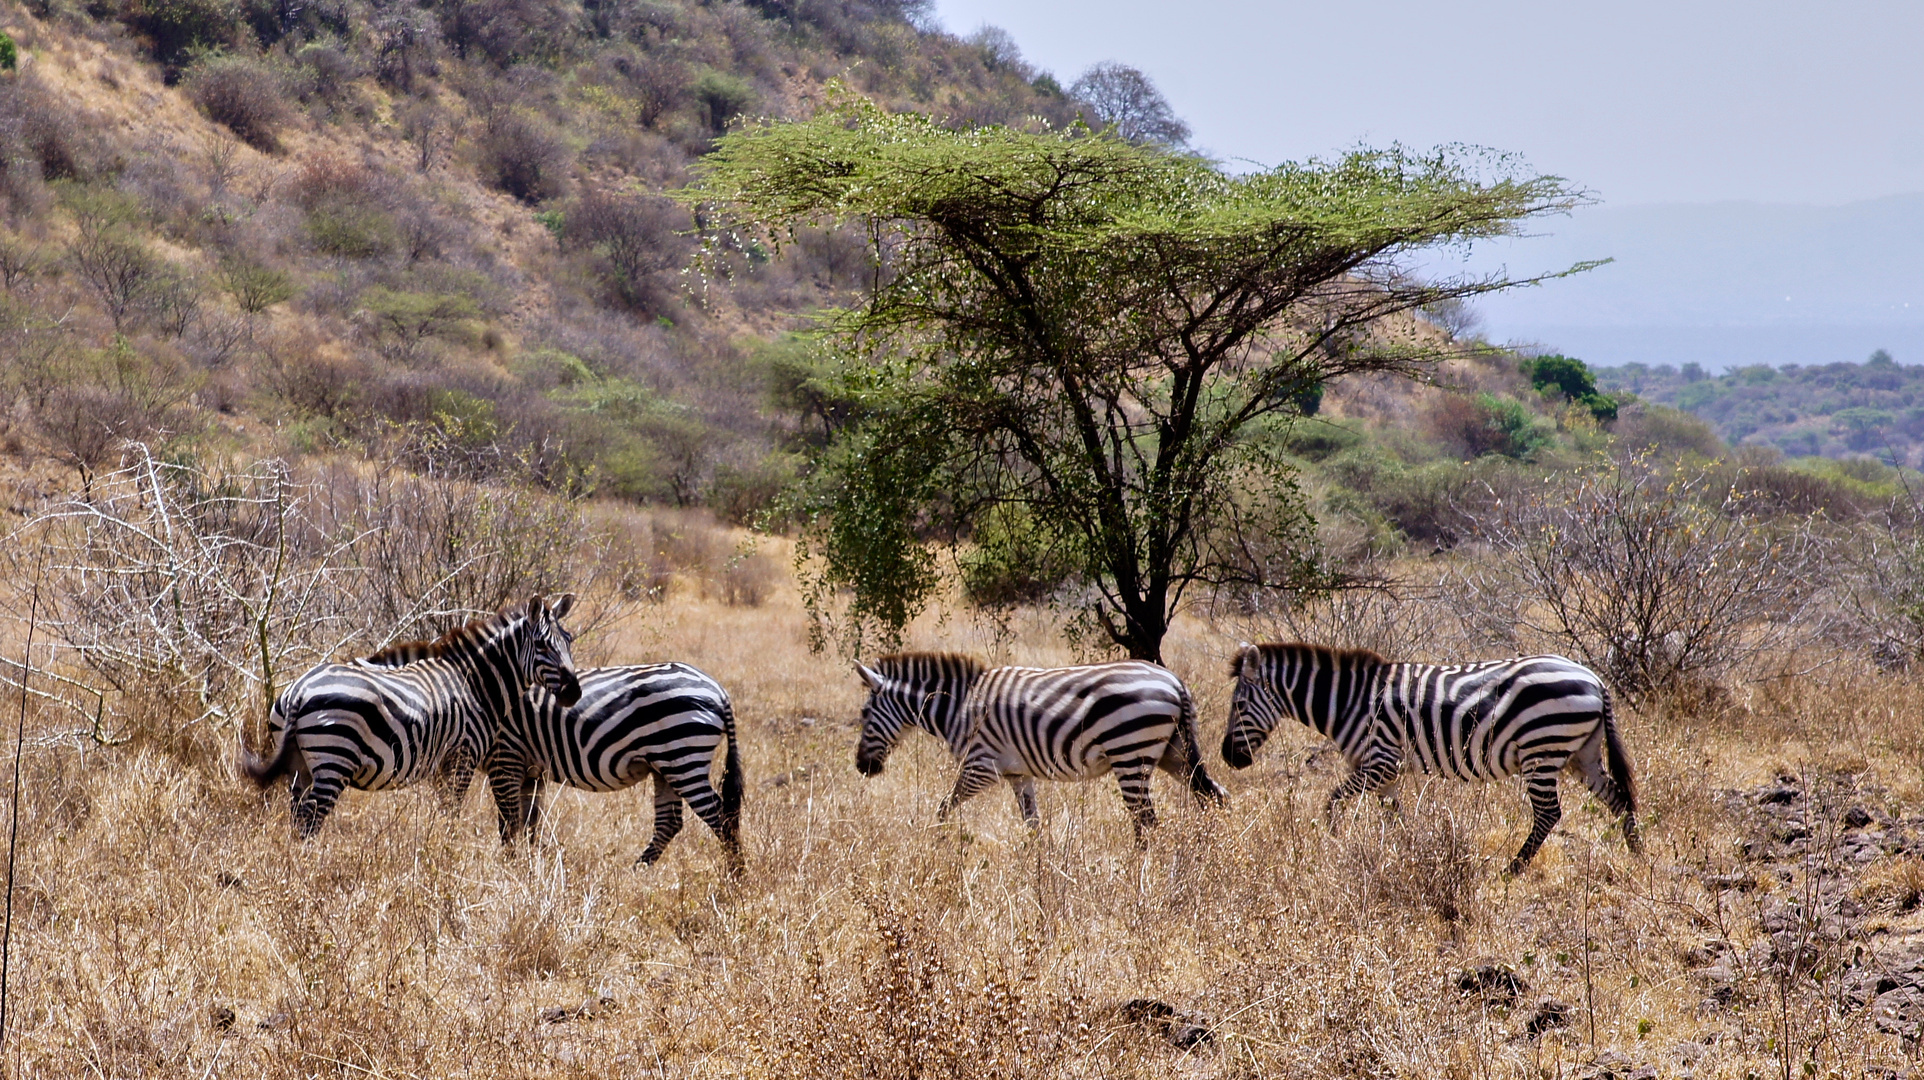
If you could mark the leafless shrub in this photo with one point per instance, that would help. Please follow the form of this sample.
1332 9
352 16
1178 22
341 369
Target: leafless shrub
637 239
21 262
1649 574
521 156
97 400
1879 591
116 264
1402 620
192 593
243 96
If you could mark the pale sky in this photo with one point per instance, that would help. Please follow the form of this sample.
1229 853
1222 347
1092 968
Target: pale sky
1815 101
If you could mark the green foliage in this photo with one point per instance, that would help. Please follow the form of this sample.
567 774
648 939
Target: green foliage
1014 561
9 53
1072 332
351 230
722 97
1572 380
405 320
174 29
255 287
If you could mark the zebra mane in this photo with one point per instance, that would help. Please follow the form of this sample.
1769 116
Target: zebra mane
408 652
896 665
1330 655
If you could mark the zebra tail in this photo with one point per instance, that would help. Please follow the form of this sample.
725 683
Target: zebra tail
1200 784
264 772
1620 768
732 782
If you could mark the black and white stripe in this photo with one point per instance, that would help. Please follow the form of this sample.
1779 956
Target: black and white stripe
652 720
1532 716
1020 724
416 711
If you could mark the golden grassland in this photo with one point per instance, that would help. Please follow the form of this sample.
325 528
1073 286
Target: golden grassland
167 923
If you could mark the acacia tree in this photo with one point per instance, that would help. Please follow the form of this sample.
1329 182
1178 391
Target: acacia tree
1073 345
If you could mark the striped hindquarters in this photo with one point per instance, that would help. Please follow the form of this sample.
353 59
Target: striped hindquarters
1490 720
1071 723
667 718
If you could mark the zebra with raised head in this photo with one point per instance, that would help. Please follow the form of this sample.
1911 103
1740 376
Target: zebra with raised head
632 723
1020 724
419 710
1533 716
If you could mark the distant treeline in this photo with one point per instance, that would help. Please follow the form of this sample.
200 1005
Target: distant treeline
1875 408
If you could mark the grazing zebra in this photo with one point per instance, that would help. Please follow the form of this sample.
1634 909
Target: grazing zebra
1532 715
659 720
1019 723
416 711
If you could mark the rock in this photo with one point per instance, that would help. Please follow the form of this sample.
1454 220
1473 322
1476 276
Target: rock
1781 795
277 1022
1497 984
222 1017
1183 1030
1857 817
1900 1012
1741 882
1608 1065
587 1010
1550 1013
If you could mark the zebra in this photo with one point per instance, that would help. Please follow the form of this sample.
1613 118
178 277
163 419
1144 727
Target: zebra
631 723
418 710
1020 723
1532 715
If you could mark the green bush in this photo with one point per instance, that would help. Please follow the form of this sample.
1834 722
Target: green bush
351 230
1571 379
722 97
174 29
9 53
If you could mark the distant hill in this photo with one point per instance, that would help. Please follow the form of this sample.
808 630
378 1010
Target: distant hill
1874 408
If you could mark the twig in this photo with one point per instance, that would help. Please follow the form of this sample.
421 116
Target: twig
13 818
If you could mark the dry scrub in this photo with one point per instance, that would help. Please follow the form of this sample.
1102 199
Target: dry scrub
167 924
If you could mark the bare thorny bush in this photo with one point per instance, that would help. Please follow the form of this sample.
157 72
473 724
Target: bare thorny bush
1653 575
185 595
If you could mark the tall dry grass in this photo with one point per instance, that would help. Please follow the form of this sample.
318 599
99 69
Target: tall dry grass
167 923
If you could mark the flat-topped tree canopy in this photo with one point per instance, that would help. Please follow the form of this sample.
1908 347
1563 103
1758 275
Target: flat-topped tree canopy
1074 345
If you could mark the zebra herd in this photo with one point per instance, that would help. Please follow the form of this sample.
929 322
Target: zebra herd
502 694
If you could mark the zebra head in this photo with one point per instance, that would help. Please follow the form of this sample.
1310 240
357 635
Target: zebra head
891 706
550 653
1254 709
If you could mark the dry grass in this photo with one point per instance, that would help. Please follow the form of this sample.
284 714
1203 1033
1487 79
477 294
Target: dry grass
167 923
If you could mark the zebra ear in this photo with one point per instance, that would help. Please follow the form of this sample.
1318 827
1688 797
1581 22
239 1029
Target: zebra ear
873 679
564 605
536 606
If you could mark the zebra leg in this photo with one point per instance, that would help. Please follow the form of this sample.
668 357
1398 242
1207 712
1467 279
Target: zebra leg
1024 787
311 803
1589 761
453 782
1372 776
508 780
667 820
976 778
694 787
1547 811
531 795
1133 777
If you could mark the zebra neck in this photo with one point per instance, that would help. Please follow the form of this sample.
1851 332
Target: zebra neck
942 708
486 662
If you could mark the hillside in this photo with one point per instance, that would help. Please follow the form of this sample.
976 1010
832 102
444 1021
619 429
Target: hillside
290 228
1875 408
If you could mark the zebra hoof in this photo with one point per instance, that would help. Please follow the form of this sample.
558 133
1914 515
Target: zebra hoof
646 858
